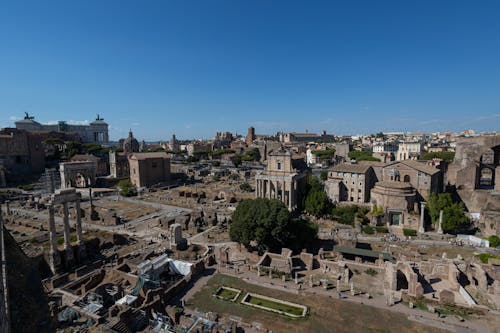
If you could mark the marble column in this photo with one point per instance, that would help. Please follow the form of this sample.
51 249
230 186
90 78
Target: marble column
67 236
82 253
54 258
79 233
440 226
421 226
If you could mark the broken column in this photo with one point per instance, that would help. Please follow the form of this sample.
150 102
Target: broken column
67 236
54 258
440 226
421 226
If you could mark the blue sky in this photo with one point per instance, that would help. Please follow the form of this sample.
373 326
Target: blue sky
194 67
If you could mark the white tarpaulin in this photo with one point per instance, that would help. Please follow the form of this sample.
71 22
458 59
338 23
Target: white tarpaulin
156 265
180 267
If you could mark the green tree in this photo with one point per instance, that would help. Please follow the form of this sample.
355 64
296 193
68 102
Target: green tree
268 223
378 210
317 203
127 189
313 184
446 156
347 214
494 240
454 217
323 175
246 187
362 155
72 148
236 159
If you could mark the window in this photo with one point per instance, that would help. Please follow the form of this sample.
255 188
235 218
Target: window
360 184
359 191
279 165
407 178
486 177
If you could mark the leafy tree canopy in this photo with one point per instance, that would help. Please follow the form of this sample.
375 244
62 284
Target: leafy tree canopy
362 155
454 217
270 225
446 156
348 214
236 159
127 189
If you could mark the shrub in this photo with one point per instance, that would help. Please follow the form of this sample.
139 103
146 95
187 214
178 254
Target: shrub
381 229
371 272
26 187
215 178
378 210
409 232
494 240
127 189
368 230
60 240
246 187
485 256
345 214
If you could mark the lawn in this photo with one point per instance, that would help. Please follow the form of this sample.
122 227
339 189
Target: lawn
226 294
274 305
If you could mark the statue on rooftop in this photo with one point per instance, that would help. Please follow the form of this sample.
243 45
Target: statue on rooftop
27 116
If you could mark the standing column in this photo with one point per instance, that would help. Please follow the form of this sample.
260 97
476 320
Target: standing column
440 227
67 236
79 234
421 227
54 258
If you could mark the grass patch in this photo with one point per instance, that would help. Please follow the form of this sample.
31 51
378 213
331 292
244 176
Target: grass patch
274 305
227 294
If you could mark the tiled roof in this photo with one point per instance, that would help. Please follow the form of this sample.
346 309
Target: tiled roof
420 166
353 168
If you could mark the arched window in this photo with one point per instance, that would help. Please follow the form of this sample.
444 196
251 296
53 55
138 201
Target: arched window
406 178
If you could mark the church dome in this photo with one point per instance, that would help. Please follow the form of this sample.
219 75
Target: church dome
130 144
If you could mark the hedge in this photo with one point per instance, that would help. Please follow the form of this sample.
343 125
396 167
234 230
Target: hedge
409 232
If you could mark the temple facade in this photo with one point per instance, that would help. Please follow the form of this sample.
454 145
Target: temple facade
284 178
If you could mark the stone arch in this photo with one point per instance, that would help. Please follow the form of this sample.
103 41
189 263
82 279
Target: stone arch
401 281
81 180
406 277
